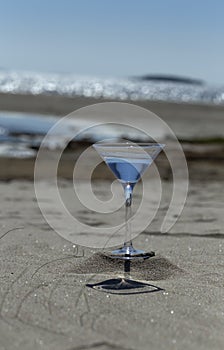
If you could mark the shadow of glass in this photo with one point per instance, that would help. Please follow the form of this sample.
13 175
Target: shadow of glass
124 286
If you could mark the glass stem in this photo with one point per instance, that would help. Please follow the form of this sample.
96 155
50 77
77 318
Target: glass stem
128 201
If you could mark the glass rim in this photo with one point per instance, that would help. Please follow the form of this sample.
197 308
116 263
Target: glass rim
128 144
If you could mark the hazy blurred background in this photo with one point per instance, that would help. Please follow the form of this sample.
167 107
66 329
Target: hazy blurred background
58 56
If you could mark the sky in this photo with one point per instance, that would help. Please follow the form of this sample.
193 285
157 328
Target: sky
114 37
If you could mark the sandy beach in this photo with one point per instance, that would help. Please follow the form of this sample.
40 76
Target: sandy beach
44 300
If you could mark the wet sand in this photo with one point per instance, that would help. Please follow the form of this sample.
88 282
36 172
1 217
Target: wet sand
188 121
44 300
200 128
205 162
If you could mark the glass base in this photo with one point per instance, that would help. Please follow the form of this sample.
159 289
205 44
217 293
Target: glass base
130 253
124 286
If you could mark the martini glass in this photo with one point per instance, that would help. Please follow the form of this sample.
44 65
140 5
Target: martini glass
128 161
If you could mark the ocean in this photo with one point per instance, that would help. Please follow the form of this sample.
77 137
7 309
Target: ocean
136 88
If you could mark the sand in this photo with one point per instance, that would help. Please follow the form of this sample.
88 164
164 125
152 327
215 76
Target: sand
44 300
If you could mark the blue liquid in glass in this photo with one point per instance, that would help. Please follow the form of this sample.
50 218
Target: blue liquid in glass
128 171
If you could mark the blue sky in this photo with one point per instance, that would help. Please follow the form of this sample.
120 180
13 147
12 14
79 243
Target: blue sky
114 37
